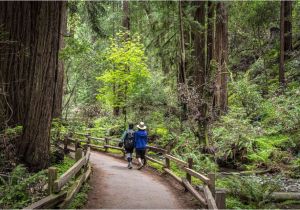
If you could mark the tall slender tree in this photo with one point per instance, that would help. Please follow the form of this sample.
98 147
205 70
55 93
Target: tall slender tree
210 34
200 73
126 25
126 18
182 64
221 56
285 38
32 73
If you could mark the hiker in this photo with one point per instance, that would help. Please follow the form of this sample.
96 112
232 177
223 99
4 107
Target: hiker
140 144
127 141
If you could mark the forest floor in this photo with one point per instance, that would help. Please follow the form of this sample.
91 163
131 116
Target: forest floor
115 186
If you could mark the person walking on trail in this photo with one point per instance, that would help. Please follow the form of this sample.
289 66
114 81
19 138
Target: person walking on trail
127 141
140 144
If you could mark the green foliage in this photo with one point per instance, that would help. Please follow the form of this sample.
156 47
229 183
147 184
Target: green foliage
245 94
267 146
233 202
13 132
57 129
21 188
202 163
125 72
282 113
296 168
250 191
63 167
80 198
234 136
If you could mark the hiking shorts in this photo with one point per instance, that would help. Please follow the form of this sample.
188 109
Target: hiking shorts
129 150
140 153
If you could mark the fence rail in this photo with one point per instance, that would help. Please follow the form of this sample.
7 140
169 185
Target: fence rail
58 196
209 198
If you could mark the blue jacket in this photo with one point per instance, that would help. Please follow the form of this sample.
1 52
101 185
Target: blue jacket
140 139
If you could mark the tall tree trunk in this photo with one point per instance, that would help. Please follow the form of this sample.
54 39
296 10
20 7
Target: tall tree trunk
287 29
200 74
120 95
182 67
31 69
59 76
210 35
126 19
221 55
126 25
187 40
285 38
281 63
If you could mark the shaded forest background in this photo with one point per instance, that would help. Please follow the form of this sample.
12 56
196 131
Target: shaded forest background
216 81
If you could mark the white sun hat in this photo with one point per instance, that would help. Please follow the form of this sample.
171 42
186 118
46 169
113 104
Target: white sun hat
141 126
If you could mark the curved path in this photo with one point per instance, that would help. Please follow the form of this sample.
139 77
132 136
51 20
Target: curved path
116 187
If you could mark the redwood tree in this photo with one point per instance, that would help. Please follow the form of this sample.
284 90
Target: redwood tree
221 57
182 63
285 37
210 34
200 73
32 73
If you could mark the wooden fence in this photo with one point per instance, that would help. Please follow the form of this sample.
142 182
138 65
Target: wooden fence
59 196
207 196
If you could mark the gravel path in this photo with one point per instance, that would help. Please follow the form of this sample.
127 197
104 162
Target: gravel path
116 187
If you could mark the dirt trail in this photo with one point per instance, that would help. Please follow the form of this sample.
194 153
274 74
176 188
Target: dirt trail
116 187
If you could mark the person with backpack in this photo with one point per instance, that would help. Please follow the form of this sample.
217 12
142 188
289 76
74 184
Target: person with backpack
140 144
127 141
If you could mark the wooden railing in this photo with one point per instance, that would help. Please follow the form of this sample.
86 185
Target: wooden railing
208 196
59 197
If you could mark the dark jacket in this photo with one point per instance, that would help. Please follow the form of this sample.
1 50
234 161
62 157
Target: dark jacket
140 139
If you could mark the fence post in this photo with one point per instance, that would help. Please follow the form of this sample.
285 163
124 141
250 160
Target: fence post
221 199
76 144
66 139
52 176
88 138
212 185
167 159
106 143
78 156
190 164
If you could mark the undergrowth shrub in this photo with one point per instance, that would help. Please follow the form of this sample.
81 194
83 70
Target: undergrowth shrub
234 136
80 198
8 141
246 95
21 188
187 146
282 113
251 192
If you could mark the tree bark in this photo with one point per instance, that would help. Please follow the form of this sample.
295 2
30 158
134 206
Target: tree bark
288 28
285 38
200 73
199 44
32 71
210 34
182 67
281 63
221 56
126 25
126 18
59 77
